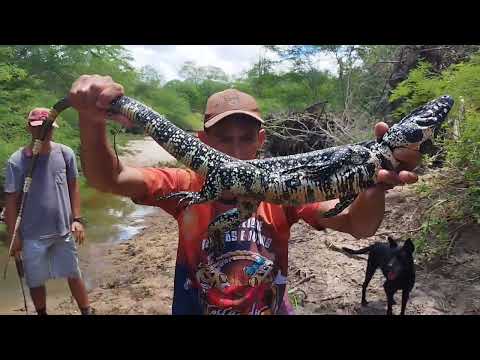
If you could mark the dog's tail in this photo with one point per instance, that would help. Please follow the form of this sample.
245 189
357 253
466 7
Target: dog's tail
364 250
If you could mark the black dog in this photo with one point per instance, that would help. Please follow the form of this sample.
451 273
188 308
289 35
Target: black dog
397 266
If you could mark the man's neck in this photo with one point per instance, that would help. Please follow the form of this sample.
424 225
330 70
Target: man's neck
229 201
45 149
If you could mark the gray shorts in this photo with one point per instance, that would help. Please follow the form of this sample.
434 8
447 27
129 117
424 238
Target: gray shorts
50 259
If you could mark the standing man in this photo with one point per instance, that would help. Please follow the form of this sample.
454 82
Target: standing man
250 276
51 216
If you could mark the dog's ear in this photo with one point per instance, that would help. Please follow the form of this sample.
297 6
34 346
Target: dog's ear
392 243
408 245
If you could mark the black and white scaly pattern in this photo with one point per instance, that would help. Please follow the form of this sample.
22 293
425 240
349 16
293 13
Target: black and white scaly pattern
340 172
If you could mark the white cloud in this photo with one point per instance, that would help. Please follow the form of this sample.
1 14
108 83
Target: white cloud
233 59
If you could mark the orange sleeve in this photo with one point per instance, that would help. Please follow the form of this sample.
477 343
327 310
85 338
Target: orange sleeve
163 181
308 213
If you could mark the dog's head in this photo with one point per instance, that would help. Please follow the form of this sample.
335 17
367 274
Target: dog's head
392 243
401 260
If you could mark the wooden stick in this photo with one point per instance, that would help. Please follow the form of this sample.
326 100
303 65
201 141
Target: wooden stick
331 298
333 247
295 286
302 281
324 299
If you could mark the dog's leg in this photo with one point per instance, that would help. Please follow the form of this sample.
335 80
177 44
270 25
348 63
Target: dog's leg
405 296
368 276
389 292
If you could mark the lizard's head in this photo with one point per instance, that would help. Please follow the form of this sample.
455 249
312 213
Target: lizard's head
419 126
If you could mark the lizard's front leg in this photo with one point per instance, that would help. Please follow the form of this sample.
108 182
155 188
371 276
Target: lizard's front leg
185 198
211 190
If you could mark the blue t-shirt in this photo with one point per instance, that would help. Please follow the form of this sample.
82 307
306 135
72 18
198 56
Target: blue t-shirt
47 212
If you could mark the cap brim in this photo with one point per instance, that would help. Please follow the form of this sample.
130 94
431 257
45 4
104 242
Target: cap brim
40 122
221 116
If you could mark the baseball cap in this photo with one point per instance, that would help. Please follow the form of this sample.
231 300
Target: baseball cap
38 115
228 102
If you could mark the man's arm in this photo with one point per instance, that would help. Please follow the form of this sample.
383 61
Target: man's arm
100 164
74 192
76 227
91 97
361 219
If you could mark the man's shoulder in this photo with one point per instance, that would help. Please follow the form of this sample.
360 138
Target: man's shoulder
16 157
276 209
174 171
194 179
64 148
181 178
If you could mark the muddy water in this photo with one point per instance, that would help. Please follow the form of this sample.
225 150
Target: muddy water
111 219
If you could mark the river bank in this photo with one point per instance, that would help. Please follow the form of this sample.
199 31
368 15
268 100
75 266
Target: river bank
135 275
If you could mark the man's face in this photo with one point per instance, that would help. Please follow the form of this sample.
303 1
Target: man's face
237 135
36 132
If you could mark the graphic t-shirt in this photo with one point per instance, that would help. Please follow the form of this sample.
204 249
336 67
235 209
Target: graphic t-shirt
250 276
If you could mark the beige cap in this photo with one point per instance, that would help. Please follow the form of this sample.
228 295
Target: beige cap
228 102
38 115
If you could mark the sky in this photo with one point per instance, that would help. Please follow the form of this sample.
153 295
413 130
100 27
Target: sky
233 59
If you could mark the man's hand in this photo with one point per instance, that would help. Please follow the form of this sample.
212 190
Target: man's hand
409 159
78 232
91 95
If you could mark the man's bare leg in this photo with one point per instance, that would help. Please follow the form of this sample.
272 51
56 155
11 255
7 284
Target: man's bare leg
39 298
79 292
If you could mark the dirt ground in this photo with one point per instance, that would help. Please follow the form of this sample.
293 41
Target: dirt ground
448 287
137 276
